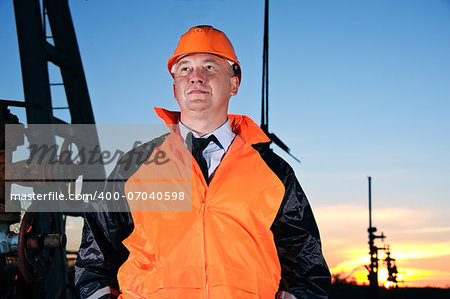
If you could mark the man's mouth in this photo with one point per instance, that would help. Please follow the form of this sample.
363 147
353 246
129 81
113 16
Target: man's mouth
197 91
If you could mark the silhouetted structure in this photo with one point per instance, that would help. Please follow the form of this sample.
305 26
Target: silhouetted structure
39 249
265 88
373 251
391 267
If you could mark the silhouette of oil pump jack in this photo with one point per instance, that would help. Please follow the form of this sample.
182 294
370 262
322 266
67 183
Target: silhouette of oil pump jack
373 250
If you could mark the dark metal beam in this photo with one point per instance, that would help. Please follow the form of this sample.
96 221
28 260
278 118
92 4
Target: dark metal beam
33 58
66 46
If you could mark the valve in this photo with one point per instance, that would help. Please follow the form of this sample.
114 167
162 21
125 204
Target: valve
36 249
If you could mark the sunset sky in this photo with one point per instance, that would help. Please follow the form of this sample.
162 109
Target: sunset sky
357 89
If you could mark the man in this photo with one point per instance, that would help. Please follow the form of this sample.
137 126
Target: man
250 233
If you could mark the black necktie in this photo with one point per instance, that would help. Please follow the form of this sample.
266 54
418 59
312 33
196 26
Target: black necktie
198 145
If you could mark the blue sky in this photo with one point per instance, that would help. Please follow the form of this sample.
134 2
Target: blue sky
357 88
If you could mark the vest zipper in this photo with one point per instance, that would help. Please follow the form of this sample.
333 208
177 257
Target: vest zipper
204 248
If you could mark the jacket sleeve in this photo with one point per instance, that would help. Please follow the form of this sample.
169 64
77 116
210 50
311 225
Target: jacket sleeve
101 251
304 272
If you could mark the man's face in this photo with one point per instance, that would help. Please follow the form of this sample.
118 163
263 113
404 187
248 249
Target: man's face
204 83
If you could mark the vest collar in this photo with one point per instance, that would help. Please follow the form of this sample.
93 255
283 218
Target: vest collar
241 125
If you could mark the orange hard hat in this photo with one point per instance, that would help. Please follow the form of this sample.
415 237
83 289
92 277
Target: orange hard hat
205 39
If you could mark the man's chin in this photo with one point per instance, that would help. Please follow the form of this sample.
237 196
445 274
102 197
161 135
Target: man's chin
199 98
199 104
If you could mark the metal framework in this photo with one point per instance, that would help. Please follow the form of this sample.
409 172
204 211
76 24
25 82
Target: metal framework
265 87
374 292
46 272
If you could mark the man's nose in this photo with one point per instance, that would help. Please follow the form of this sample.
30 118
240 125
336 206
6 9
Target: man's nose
197 76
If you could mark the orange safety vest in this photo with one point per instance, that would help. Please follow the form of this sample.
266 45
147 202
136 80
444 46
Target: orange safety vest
224 247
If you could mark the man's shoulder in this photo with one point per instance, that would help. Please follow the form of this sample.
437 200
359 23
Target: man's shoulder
276 163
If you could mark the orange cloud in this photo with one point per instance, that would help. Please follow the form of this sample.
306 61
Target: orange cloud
422 251
358 258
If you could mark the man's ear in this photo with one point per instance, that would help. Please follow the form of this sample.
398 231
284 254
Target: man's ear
234 85
174 92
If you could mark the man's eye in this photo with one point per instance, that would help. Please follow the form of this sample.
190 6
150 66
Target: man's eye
209 67
184 69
